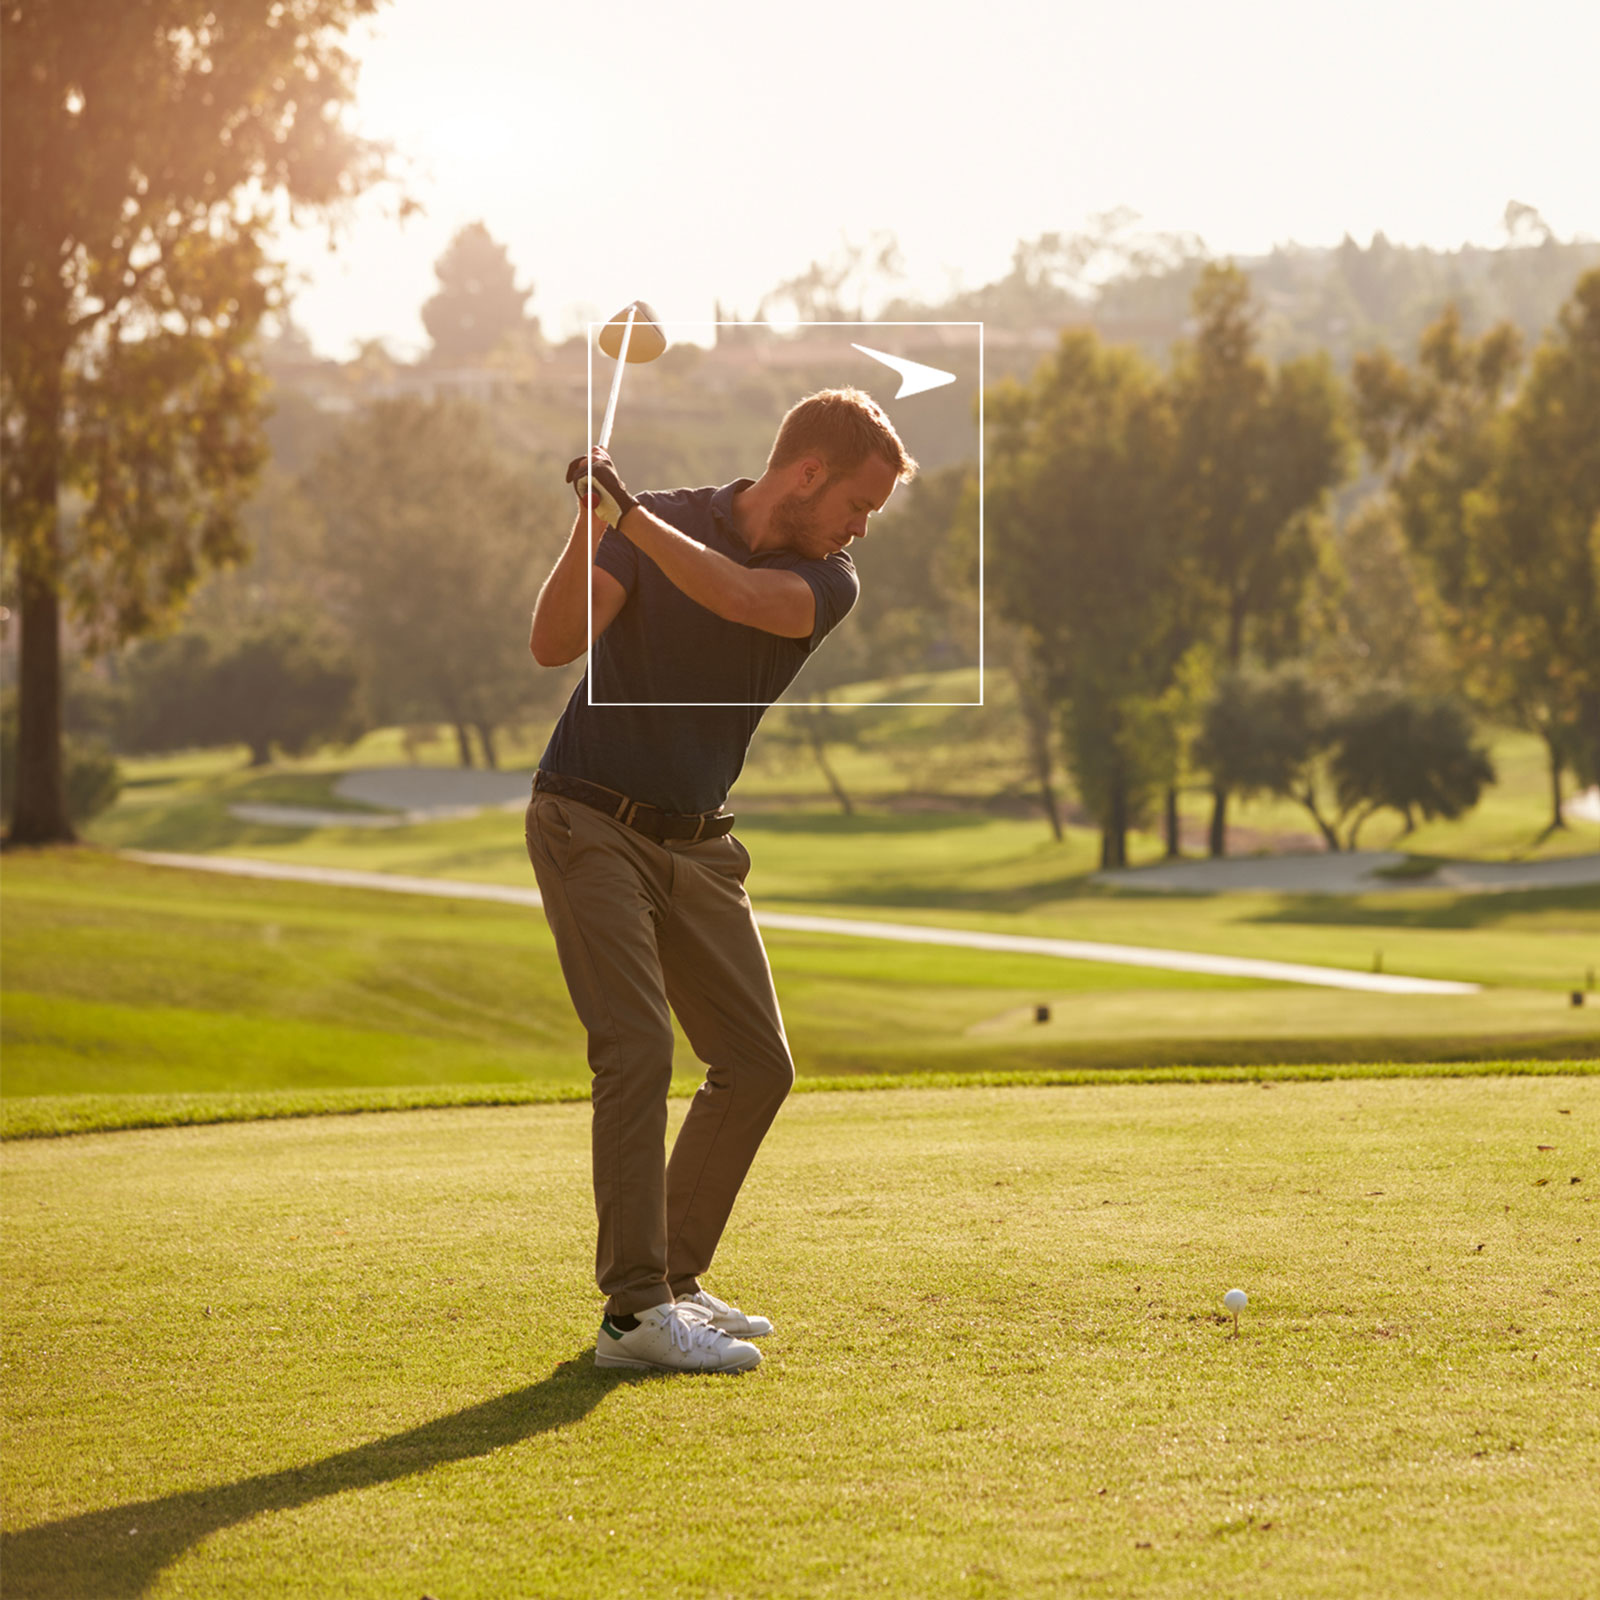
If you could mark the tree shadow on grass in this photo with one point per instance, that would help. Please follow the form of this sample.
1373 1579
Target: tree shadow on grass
117 1554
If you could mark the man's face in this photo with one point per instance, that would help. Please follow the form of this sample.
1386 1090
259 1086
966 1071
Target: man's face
823 514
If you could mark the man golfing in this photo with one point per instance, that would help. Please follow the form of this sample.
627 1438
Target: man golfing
706 603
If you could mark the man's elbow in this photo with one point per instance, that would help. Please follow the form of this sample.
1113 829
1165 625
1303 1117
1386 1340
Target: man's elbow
547 652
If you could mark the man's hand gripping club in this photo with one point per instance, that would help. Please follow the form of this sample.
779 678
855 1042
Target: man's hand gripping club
599 486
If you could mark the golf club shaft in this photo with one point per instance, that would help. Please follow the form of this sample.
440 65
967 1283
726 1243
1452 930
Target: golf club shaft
604 440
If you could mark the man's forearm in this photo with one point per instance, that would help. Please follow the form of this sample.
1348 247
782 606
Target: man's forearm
704 575
561 613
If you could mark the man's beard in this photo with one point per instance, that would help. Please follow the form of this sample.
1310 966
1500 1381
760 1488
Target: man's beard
794 518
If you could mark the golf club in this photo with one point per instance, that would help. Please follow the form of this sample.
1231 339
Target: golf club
632 335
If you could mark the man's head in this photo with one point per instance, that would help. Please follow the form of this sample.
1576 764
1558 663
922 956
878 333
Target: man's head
836 460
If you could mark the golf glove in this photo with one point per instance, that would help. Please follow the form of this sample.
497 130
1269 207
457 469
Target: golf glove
595 476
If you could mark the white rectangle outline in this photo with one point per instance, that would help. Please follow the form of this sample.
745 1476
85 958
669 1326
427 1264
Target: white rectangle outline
801 705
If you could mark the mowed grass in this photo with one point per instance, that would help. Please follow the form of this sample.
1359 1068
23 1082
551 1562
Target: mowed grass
962 868
354 1356
136 995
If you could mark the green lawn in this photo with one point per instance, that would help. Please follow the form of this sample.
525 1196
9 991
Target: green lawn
135 994
354 1355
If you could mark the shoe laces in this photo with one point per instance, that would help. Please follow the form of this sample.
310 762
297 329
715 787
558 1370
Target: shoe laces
690 1327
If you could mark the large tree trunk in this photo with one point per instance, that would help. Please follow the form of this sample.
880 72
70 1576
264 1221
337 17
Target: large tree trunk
1174 830
486 738
1219 821
463 744
40 812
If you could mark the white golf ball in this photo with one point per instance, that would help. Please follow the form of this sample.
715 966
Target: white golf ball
1236 1300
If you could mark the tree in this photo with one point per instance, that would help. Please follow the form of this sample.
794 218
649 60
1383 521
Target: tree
1258 450
1282 733
1407 753
1086 562
92 778
143 146
478 302
280 685
437 545
1381 625
1499 493
1263 733
1534 532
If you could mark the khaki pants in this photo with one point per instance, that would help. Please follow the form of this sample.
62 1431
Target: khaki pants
639 927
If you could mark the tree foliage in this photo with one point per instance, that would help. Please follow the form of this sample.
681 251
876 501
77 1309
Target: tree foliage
143 148
1258 450
478 302
1499 491
1086 562
437 545
1282 732
1534 531
1265 733
280 686
1409 754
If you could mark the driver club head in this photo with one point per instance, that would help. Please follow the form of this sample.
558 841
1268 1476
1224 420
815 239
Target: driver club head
646 342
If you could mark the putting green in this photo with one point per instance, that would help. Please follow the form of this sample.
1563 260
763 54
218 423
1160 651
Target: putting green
354 1354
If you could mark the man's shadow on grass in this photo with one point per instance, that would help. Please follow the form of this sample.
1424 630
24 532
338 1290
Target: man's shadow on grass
120 1552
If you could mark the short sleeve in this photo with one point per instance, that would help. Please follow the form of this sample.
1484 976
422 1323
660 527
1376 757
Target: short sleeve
617 555
834 582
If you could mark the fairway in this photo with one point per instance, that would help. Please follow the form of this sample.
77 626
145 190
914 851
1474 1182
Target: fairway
124 983
354 1355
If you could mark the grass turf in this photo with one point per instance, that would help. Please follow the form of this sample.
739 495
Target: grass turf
146 994
354 1355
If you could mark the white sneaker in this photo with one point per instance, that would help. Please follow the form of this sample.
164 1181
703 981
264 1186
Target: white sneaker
730 1319
672 1338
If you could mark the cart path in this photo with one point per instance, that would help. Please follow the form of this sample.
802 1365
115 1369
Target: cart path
1125 955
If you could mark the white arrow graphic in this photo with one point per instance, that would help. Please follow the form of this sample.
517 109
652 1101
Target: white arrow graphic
914 377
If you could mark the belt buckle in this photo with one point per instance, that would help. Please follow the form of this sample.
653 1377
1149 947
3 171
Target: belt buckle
699 829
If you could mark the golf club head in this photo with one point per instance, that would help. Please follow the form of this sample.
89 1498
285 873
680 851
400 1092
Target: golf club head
645 343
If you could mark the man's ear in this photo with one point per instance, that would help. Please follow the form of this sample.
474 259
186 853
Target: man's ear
811 472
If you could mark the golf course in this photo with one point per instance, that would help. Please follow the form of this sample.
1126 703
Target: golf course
254 1338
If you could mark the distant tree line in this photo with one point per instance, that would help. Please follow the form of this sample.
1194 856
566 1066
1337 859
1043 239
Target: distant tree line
1166 540
1195 611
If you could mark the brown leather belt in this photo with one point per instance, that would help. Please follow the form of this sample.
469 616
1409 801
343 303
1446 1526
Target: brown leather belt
652 822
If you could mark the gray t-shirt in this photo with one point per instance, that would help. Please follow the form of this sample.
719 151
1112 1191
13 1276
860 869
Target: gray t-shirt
663 649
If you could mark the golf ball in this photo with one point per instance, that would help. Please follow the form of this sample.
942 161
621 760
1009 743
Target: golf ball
1236 1299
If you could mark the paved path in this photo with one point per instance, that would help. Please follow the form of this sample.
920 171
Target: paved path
849 927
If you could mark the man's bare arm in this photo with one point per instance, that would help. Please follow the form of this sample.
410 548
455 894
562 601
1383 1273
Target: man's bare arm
561 615
775 602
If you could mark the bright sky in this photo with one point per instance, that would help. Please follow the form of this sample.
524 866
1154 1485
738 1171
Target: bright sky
685 153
